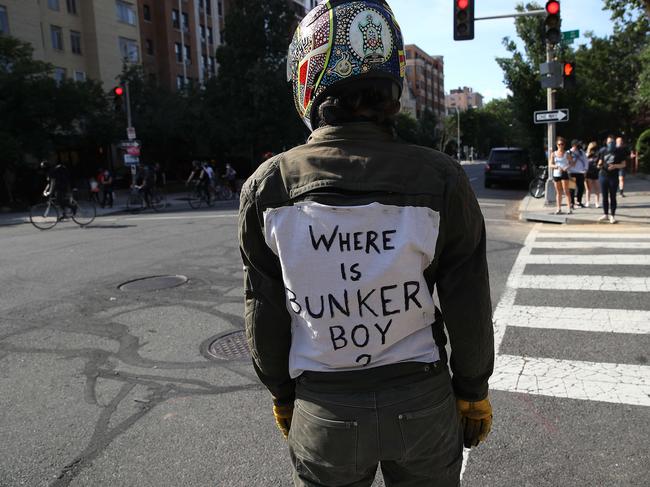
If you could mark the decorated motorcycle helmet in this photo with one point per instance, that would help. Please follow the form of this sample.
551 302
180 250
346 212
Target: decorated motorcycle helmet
341 42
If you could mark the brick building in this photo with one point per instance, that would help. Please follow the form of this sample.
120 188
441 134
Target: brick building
425 78
463 98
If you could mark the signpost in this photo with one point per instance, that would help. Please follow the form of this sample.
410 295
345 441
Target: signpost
131 151
130 133
552 116
569 36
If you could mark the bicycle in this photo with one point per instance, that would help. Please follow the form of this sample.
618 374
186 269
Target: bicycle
223 192
136 201
537 186
47 214
198 195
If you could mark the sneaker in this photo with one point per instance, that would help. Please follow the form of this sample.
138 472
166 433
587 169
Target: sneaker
587 205
597 205
558 212
622 194
603 218
570 211
612 219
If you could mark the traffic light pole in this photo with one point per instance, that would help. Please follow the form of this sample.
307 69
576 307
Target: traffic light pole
128 104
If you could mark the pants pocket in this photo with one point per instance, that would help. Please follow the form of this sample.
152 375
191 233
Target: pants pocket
323 447
432 433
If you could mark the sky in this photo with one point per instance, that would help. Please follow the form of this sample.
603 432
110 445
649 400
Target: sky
428 23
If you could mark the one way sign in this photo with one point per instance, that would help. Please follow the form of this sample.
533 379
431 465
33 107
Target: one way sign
552 116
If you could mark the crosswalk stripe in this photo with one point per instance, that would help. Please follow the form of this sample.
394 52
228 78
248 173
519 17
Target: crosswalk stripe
590 245
594 236
577 319
584 283
605 259
572 379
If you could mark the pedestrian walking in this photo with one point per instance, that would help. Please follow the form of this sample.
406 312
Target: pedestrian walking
611 159
106 183
592 185
577 172
94 190
559 162
343 241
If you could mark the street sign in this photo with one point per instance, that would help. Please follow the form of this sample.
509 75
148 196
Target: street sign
569 35
552 116
130 133
131 160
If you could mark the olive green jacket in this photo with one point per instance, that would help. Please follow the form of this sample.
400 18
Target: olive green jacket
360 164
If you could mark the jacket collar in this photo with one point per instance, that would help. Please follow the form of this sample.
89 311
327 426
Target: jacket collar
351 131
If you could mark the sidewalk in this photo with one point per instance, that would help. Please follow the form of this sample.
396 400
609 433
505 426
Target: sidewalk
175 202
633 209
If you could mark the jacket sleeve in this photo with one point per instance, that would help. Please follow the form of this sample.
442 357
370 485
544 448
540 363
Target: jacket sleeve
268 323
464 291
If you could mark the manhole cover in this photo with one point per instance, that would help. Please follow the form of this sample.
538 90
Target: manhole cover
153 283
232 345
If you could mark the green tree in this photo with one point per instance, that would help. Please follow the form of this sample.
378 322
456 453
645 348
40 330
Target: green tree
251 101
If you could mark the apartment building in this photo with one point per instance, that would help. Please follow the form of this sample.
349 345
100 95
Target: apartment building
463 99
80 38
179 39
425 78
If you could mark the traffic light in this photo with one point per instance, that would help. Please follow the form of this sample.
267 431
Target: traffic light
463 20
552 32
118 98
569 72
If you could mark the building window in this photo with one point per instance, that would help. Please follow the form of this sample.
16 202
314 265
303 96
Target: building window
57 37
125 12
211 64
146 12
4 20
59 75
202 28
129 49
180 82
208 6
188 54
186 23
204 62
79 76
149 46
210 38
220 8
175 19
75 42
53 4
179 52
72 6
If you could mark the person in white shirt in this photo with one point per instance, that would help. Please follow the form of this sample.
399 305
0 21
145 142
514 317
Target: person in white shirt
577 172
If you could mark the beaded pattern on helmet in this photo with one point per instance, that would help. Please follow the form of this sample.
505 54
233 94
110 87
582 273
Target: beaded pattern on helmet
333 44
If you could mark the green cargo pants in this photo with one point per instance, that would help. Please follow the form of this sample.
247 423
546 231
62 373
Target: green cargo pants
412 429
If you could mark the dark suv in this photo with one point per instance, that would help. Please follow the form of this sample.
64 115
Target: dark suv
508 164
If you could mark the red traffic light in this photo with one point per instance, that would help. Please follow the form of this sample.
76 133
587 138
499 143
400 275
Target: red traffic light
553 7
119 91
568 69
462 4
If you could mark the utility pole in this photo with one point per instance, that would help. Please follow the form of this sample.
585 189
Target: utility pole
457 132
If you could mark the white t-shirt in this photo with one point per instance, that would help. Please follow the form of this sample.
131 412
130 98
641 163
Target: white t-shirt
354 281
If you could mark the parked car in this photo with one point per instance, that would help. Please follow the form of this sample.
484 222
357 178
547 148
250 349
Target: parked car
507 164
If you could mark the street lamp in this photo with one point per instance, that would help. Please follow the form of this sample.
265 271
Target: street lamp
457 132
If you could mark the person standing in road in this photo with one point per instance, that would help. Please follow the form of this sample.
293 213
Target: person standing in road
577 172
560 162
106 182
610 160
343 241
591 182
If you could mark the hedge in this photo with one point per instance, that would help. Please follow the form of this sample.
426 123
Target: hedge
643 151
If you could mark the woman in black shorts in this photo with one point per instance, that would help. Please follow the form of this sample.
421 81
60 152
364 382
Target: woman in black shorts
559 162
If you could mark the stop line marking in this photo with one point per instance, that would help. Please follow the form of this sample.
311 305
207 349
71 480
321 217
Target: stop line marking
593 236
590 245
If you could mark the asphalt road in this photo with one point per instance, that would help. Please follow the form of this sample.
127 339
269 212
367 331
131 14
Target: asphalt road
101 386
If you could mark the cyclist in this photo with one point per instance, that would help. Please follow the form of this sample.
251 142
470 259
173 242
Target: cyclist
231 178
202 179
212 183
343 241
58 186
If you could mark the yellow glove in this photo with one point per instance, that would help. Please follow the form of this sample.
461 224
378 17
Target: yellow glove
283 415
475 419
